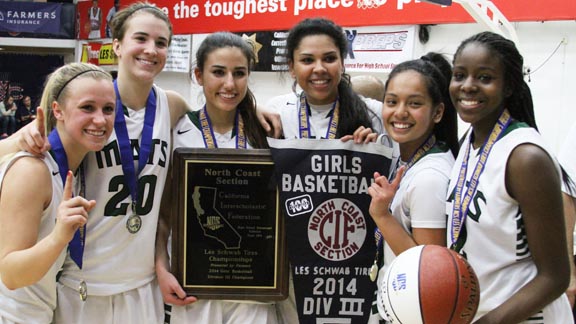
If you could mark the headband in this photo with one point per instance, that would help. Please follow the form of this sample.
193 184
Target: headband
74 77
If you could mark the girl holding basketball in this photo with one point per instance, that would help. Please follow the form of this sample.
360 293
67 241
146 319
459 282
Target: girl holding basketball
419 116
504 200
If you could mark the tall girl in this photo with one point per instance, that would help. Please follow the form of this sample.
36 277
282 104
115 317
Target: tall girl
38 218
504 198
224 61
115 280
420 117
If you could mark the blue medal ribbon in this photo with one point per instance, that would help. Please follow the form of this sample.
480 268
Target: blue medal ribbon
126 154
76 245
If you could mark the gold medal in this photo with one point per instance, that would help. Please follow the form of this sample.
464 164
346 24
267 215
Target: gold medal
83 290
134 223
374 271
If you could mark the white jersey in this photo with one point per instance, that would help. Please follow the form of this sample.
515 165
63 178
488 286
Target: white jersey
188 133
420 201
495 244
288 107
567 158
116 260
95 20
35 303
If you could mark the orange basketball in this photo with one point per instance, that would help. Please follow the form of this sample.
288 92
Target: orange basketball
430 284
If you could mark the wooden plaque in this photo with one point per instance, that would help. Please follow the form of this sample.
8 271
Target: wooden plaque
228 237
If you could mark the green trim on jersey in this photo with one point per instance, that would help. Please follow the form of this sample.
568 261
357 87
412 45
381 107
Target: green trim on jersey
513 126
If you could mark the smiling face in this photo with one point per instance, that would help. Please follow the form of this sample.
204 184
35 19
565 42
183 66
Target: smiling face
143 49
224 77
477 86
317 67
86 115
408 112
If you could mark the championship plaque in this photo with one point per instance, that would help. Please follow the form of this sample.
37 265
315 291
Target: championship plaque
228 228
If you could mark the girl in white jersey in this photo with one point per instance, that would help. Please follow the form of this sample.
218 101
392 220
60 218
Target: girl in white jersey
227 120
39 217
420 117
327 107
567 158
504 200
127 178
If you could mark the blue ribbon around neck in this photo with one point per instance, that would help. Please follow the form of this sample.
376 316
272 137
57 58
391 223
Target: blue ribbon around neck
126 154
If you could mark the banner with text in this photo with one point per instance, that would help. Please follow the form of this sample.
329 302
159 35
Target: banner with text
330 235
370 49
177 59
206 16
379 49
30 17
98 54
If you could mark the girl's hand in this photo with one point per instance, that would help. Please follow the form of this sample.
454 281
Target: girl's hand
382 193
361 135
32 137
72 213
172 292
270 121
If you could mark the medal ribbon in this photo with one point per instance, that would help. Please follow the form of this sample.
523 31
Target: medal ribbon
462 204
126 154
304 120
208 133
76 245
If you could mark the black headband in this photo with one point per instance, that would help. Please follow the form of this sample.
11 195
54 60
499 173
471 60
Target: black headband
74 77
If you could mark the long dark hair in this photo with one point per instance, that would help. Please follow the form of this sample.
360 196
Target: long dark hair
353 110
436 72
519 101
255 134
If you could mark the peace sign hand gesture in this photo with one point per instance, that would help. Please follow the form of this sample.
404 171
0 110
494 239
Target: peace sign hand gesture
382 193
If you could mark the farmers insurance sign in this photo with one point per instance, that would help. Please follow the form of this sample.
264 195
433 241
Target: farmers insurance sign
206 16
30 17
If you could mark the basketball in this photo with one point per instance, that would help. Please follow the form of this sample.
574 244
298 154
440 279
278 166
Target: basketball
430 284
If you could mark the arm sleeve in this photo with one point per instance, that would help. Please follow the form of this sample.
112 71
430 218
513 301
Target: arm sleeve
427 195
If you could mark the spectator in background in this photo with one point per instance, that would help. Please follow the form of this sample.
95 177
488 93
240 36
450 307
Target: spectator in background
26 112
7 110
368 86
109 17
